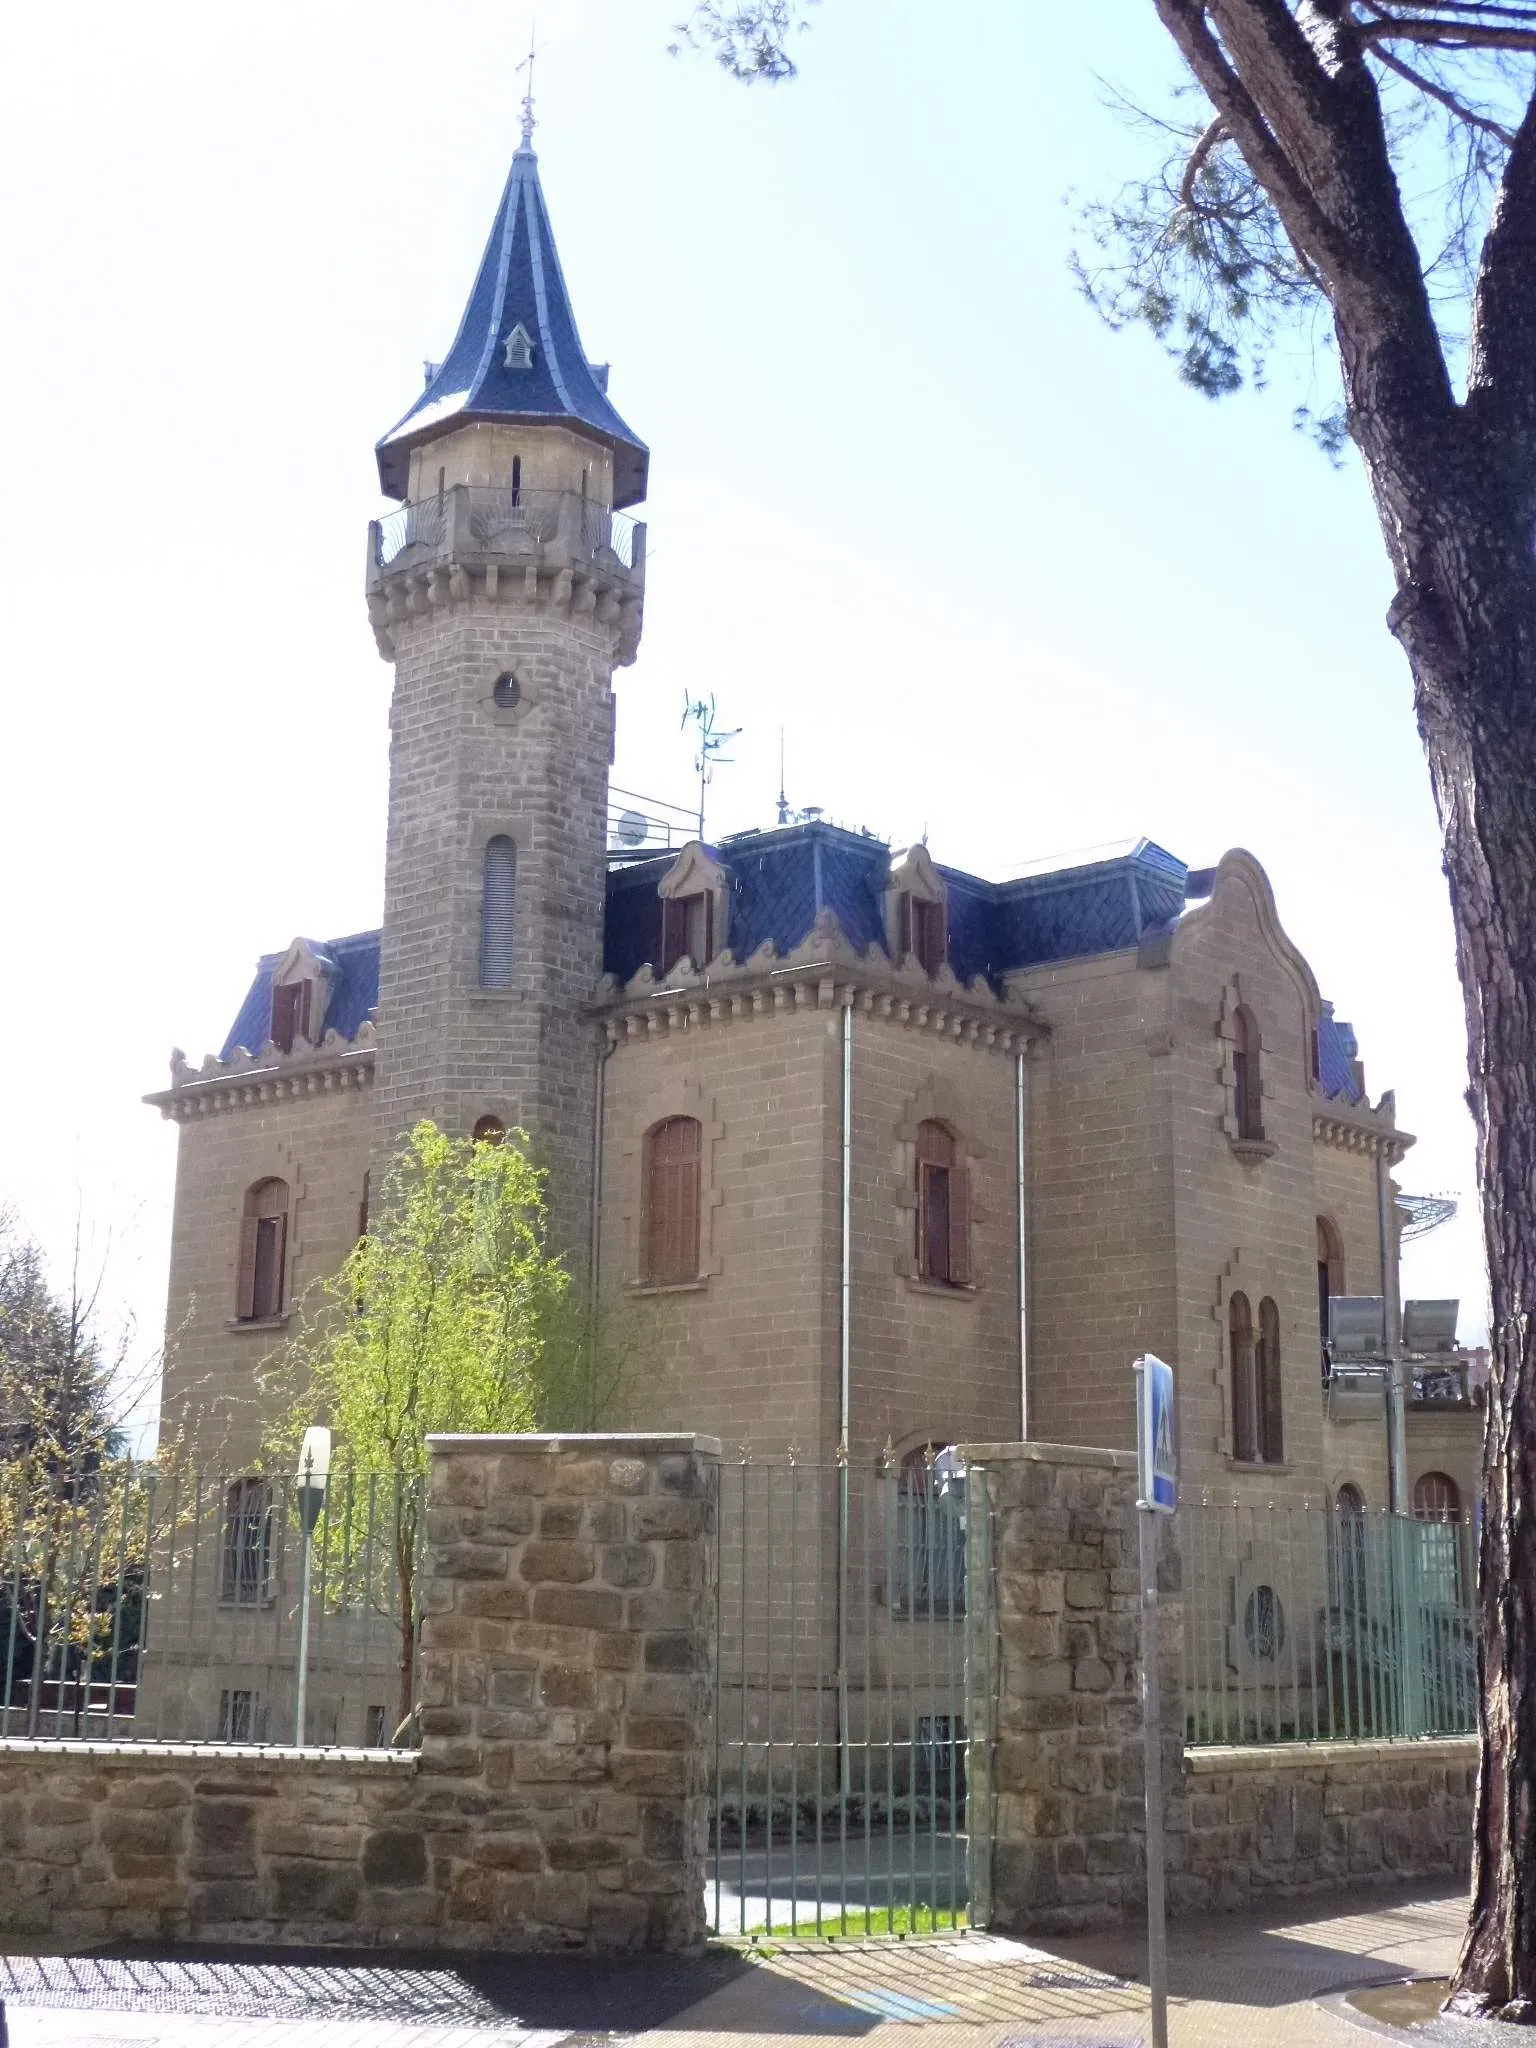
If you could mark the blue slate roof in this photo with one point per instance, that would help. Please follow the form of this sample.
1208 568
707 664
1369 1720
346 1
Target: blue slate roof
519 282
1337 1050
354 992
781 880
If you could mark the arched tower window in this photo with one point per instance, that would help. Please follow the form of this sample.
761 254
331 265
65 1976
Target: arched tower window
943 1208
1267 1380
1436 1498
260 1289
1245 1432
1348 1560
497 906
672 1166
489 1130
1247 1081
1330 1273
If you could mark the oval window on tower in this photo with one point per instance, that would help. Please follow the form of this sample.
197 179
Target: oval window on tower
506 691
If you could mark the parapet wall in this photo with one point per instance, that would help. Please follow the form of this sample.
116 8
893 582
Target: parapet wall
1316 1816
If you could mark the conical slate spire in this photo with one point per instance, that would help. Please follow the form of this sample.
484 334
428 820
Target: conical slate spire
517 354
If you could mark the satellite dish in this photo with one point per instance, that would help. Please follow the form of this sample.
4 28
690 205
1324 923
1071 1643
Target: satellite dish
633 828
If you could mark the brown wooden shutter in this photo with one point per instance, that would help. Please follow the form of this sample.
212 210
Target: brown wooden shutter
674 933
245 1281
670 1220
306 990
285 1003
960 1222
1240 1340
903 925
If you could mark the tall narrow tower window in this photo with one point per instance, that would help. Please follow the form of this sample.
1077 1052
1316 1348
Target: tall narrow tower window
1247 1084
497 906
517 480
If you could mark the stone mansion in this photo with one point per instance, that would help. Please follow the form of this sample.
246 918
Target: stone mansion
861 1148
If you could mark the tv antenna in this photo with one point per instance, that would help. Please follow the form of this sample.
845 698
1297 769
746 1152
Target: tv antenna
702 713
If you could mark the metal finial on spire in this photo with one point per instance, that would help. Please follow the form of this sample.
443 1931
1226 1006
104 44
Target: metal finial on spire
527 65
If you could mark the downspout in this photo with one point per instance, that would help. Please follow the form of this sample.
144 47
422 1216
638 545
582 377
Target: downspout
1397 1441
595 1250
1022 1191
844 1399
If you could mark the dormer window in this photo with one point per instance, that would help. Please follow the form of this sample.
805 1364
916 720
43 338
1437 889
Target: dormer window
292 1003
920 932
687 930
518 353
917 912
694 901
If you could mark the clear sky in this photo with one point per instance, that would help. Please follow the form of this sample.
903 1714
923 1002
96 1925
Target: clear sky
994 572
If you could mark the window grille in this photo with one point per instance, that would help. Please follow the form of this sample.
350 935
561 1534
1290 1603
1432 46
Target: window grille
497 910
241 1718
930 1536
247 1548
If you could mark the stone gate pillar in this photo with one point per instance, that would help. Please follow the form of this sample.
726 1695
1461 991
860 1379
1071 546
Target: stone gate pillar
1068 1820
567 1649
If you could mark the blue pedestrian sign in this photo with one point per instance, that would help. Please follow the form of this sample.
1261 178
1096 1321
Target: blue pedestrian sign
1156 1438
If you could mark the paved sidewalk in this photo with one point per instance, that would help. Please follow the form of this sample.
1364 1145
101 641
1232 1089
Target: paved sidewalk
1235 1981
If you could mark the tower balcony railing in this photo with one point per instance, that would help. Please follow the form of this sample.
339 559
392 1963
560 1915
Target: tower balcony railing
492 519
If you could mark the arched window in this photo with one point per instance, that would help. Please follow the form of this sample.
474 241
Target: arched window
1267 1381
674 1152
489 1130
1348 1559
1436 1498
1245 1430
1247 1082
1330 1271
943 1208
497 904
930 1533
263 1251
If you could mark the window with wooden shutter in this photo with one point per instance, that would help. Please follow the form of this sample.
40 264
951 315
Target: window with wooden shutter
498 904
290 1014
674 1152
943 1208
1245 1439
687 930
261 1282
928 935
1271 1446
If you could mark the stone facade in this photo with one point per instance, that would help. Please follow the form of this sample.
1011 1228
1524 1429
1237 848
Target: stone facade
565 1681
1314 1816
1067 1795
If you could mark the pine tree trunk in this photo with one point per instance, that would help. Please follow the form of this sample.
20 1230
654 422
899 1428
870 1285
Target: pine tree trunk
1472 646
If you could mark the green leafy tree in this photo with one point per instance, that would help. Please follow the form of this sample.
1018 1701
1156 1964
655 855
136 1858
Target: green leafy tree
436 1323
1367 169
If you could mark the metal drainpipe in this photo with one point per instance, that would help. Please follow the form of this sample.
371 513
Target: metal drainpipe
1022 1190
1397 1442
595 1251
844 1400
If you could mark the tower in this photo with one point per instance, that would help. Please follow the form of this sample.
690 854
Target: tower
505 590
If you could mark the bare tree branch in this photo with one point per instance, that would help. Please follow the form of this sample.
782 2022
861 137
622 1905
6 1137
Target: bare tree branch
1446 98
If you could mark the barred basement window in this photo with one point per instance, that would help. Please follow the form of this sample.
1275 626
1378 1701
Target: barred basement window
497 906
261 1284
247 1547
240 1716
673 1161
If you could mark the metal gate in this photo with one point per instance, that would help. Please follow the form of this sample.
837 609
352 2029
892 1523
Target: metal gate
854 1681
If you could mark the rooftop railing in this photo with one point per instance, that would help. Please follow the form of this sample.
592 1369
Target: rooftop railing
501 519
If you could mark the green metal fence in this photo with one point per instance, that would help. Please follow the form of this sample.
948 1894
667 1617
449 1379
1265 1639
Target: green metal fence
146 1602
1316 1623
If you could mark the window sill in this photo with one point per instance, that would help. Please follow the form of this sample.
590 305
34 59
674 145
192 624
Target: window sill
952 1290
670 1286
260 1322
1279 1469
1251 1150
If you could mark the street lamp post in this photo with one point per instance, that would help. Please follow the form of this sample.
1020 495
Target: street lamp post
313 1475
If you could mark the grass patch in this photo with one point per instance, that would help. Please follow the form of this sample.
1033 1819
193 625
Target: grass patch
888 1921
